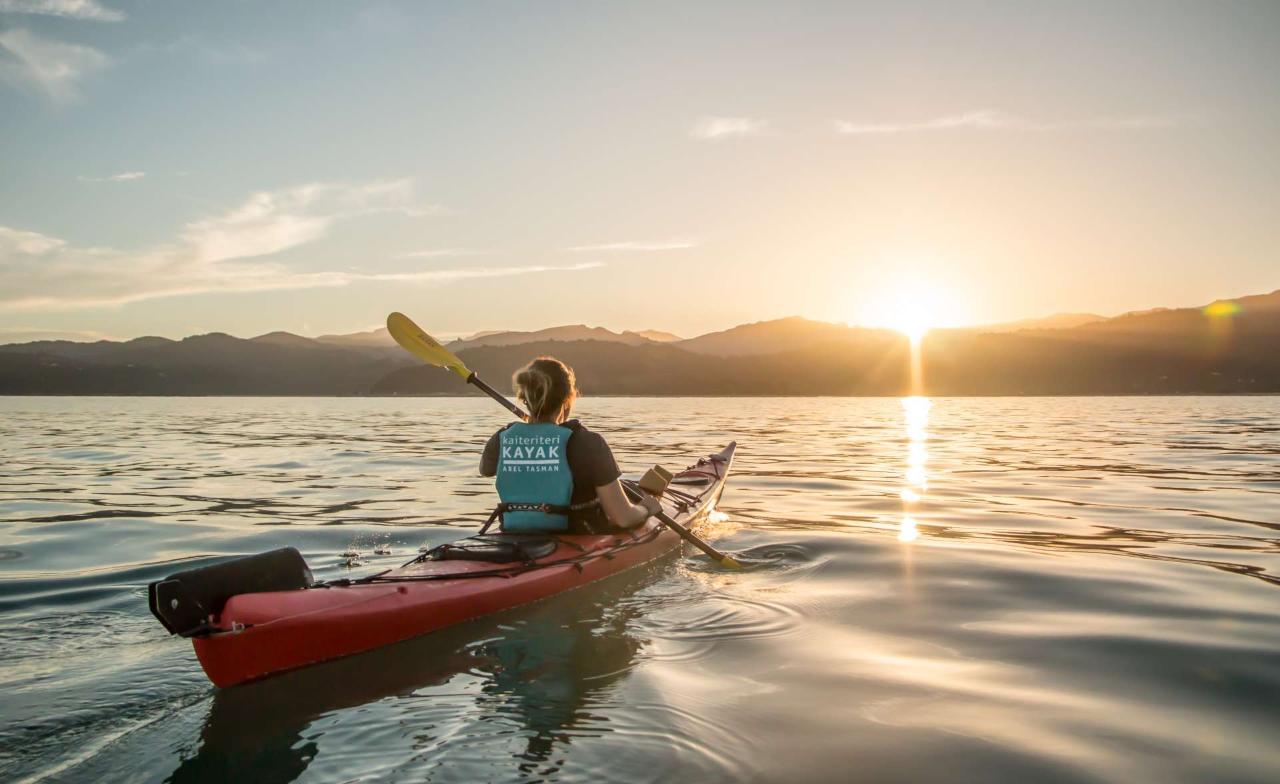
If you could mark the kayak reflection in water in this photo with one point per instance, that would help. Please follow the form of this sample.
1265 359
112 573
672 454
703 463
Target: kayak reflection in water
540 669
553 474
545 669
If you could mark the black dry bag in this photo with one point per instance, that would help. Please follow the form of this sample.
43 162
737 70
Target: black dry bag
186 602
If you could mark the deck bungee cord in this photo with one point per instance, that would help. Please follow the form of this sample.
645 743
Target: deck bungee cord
520 566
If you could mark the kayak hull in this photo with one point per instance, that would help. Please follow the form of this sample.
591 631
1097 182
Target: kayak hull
260 634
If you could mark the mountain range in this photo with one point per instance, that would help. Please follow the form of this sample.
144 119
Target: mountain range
1228 346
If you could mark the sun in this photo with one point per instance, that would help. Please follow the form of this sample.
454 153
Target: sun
912 305
912 320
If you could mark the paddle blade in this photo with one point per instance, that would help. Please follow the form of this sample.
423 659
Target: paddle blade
729 562
412 339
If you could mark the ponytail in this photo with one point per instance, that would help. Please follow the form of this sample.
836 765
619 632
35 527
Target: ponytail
545 385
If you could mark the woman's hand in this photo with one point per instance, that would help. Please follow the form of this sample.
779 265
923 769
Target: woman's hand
651 505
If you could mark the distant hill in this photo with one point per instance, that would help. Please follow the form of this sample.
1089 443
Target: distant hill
1247 315
1056 321
100 350
780 335
1227 346
564 333
658 336
213 364
378 338
287 340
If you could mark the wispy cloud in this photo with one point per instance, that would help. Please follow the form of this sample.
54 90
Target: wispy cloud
715 128
610 247
990 120
91 10
28 334
52 67
273 221
121 177
222 253
28 243
467 272
440 253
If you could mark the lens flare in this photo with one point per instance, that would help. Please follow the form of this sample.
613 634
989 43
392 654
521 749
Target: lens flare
1223 308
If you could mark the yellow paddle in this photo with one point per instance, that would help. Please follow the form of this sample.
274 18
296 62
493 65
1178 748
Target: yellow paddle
412 339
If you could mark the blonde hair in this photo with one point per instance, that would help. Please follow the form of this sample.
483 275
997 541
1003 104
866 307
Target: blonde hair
546 385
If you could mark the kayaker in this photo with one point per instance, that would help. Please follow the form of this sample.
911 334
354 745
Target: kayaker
553 474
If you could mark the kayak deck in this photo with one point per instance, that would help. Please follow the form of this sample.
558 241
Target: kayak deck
259 634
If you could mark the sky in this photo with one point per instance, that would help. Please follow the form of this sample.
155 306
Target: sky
173 168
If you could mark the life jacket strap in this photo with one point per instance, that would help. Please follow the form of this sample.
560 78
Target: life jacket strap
517 506
514 506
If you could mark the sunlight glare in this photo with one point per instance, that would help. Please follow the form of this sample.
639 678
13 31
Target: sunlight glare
908 532
913 306
915 411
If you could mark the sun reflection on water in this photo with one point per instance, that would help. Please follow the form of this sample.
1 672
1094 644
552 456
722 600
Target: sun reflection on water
907 531
916 411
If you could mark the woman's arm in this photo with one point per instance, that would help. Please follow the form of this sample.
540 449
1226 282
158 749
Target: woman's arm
620 511
489 458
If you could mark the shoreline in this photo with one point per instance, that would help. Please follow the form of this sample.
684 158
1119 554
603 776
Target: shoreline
654 396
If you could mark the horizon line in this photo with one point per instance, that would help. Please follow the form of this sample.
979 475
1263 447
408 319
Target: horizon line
93 336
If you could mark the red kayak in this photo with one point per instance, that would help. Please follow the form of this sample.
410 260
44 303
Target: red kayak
260 615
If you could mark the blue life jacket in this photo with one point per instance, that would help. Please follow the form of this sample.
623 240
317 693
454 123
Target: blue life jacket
535 484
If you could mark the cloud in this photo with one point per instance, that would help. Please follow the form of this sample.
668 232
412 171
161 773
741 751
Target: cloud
121 177
221 253
468 272
610 247
273 221
269 222
714 128
52 67
90 10
440 253
28 334
989 120
28 243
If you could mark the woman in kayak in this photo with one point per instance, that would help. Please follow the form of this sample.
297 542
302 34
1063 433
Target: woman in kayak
553 474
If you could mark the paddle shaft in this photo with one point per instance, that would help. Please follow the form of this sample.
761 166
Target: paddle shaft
690 536
696 541
475 381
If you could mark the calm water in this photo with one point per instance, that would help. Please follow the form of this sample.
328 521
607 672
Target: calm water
1049 590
